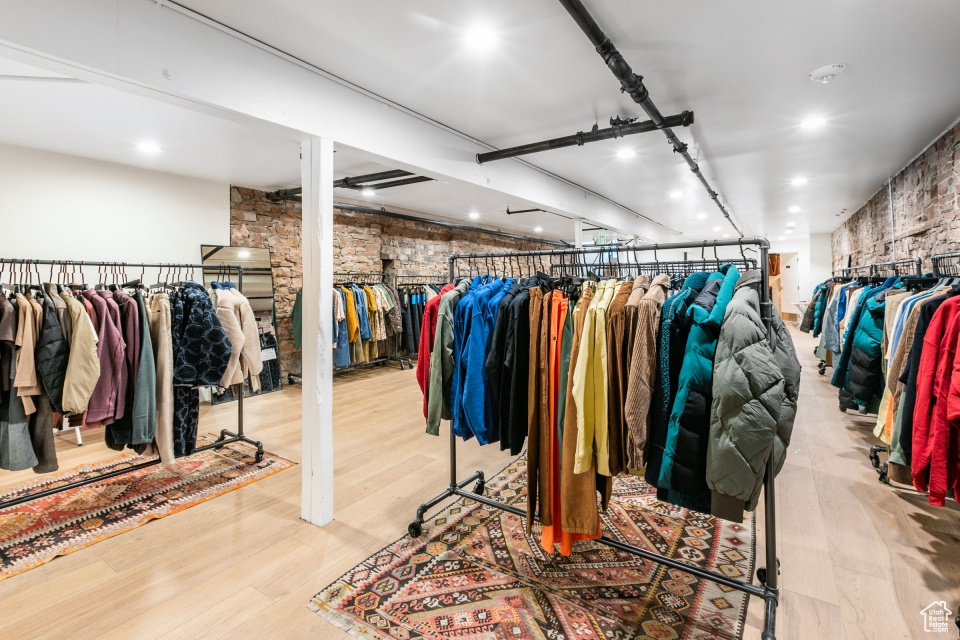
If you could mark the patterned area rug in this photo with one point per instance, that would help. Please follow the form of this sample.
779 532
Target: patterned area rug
36 532
476 575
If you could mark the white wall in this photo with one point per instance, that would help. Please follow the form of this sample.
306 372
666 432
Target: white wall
54 206
790 282
821 257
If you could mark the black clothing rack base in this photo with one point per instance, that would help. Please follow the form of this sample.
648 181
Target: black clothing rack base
226 437
769 588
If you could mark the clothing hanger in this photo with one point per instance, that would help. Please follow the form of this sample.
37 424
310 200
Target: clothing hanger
4 287
38 287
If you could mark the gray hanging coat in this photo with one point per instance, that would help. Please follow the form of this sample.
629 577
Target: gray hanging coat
16 450
755 389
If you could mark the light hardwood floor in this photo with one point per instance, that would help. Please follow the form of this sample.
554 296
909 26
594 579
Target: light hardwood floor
860 559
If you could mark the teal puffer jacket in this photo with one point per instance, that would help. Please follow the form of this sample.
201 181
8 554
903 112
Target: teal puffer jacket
683 472
749 396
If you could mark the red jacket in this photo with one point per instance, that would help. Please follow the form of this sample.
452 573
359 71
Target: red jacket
428 330
936 435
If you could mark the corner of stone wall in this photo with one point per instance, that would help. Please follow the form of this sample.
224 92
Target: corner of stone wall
363 242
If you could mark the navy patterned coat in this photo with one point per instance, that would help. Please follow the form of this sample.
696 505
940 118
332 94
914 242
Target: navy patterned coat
201 352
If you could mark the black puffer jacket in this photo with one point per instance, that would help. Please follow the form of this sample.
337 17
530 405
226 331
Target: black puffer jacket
52 355
866 357
806 325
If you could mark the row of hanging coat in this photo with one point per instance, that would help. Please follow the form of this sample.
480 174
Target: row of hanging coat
367 322
895 343
413 301
616 377
124 357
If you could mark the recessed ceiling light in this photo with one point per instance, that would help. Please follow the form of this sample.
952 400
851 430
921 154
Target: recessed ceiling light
149 147
626 154
794 209
788 231
798 182
368 192
243 254
791 225
781 238
538 229
813 123
676 195
701 216
726 235
474 215
716 228
481 37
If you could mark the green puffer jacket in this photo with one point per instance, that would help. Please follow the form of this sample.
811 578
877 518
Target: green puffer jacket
684 459
755 390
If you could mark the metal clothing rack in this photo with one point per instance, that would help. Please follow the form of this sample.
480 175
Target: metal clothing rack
367 277
946 264
359 277
419 280
767 576
226 437
676 269
892 268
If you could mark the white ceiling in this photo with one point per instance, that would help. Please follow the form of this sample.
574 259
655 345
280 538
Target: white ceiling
740 66
47 111
93 121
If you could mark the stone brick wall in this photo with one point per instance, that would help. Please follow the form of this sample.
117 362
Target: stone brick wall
362 242
926 216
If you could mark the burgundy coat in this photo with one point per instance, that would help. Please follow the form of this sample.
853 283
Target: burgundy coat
111 351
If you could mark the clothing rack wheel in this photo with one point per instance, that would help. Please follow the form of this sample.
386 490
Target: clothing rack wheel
768 589
875 452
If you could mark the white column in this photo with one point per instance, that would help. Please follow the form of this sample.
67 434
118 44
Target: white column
316 499
578 232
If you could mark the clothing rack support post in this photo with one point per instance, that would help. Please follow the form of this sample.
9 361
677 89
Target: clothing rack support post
239 435
768 576
316 500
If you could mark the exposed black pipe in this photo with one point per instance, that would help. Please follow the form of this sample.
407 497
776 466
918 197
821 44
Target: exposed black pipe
581 138
285 194
355 182
552 213
385 185
632 84
372 177
443 223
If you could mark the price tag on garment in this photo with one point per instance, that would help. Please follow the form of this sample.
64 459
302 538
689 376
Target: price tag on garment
268 354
